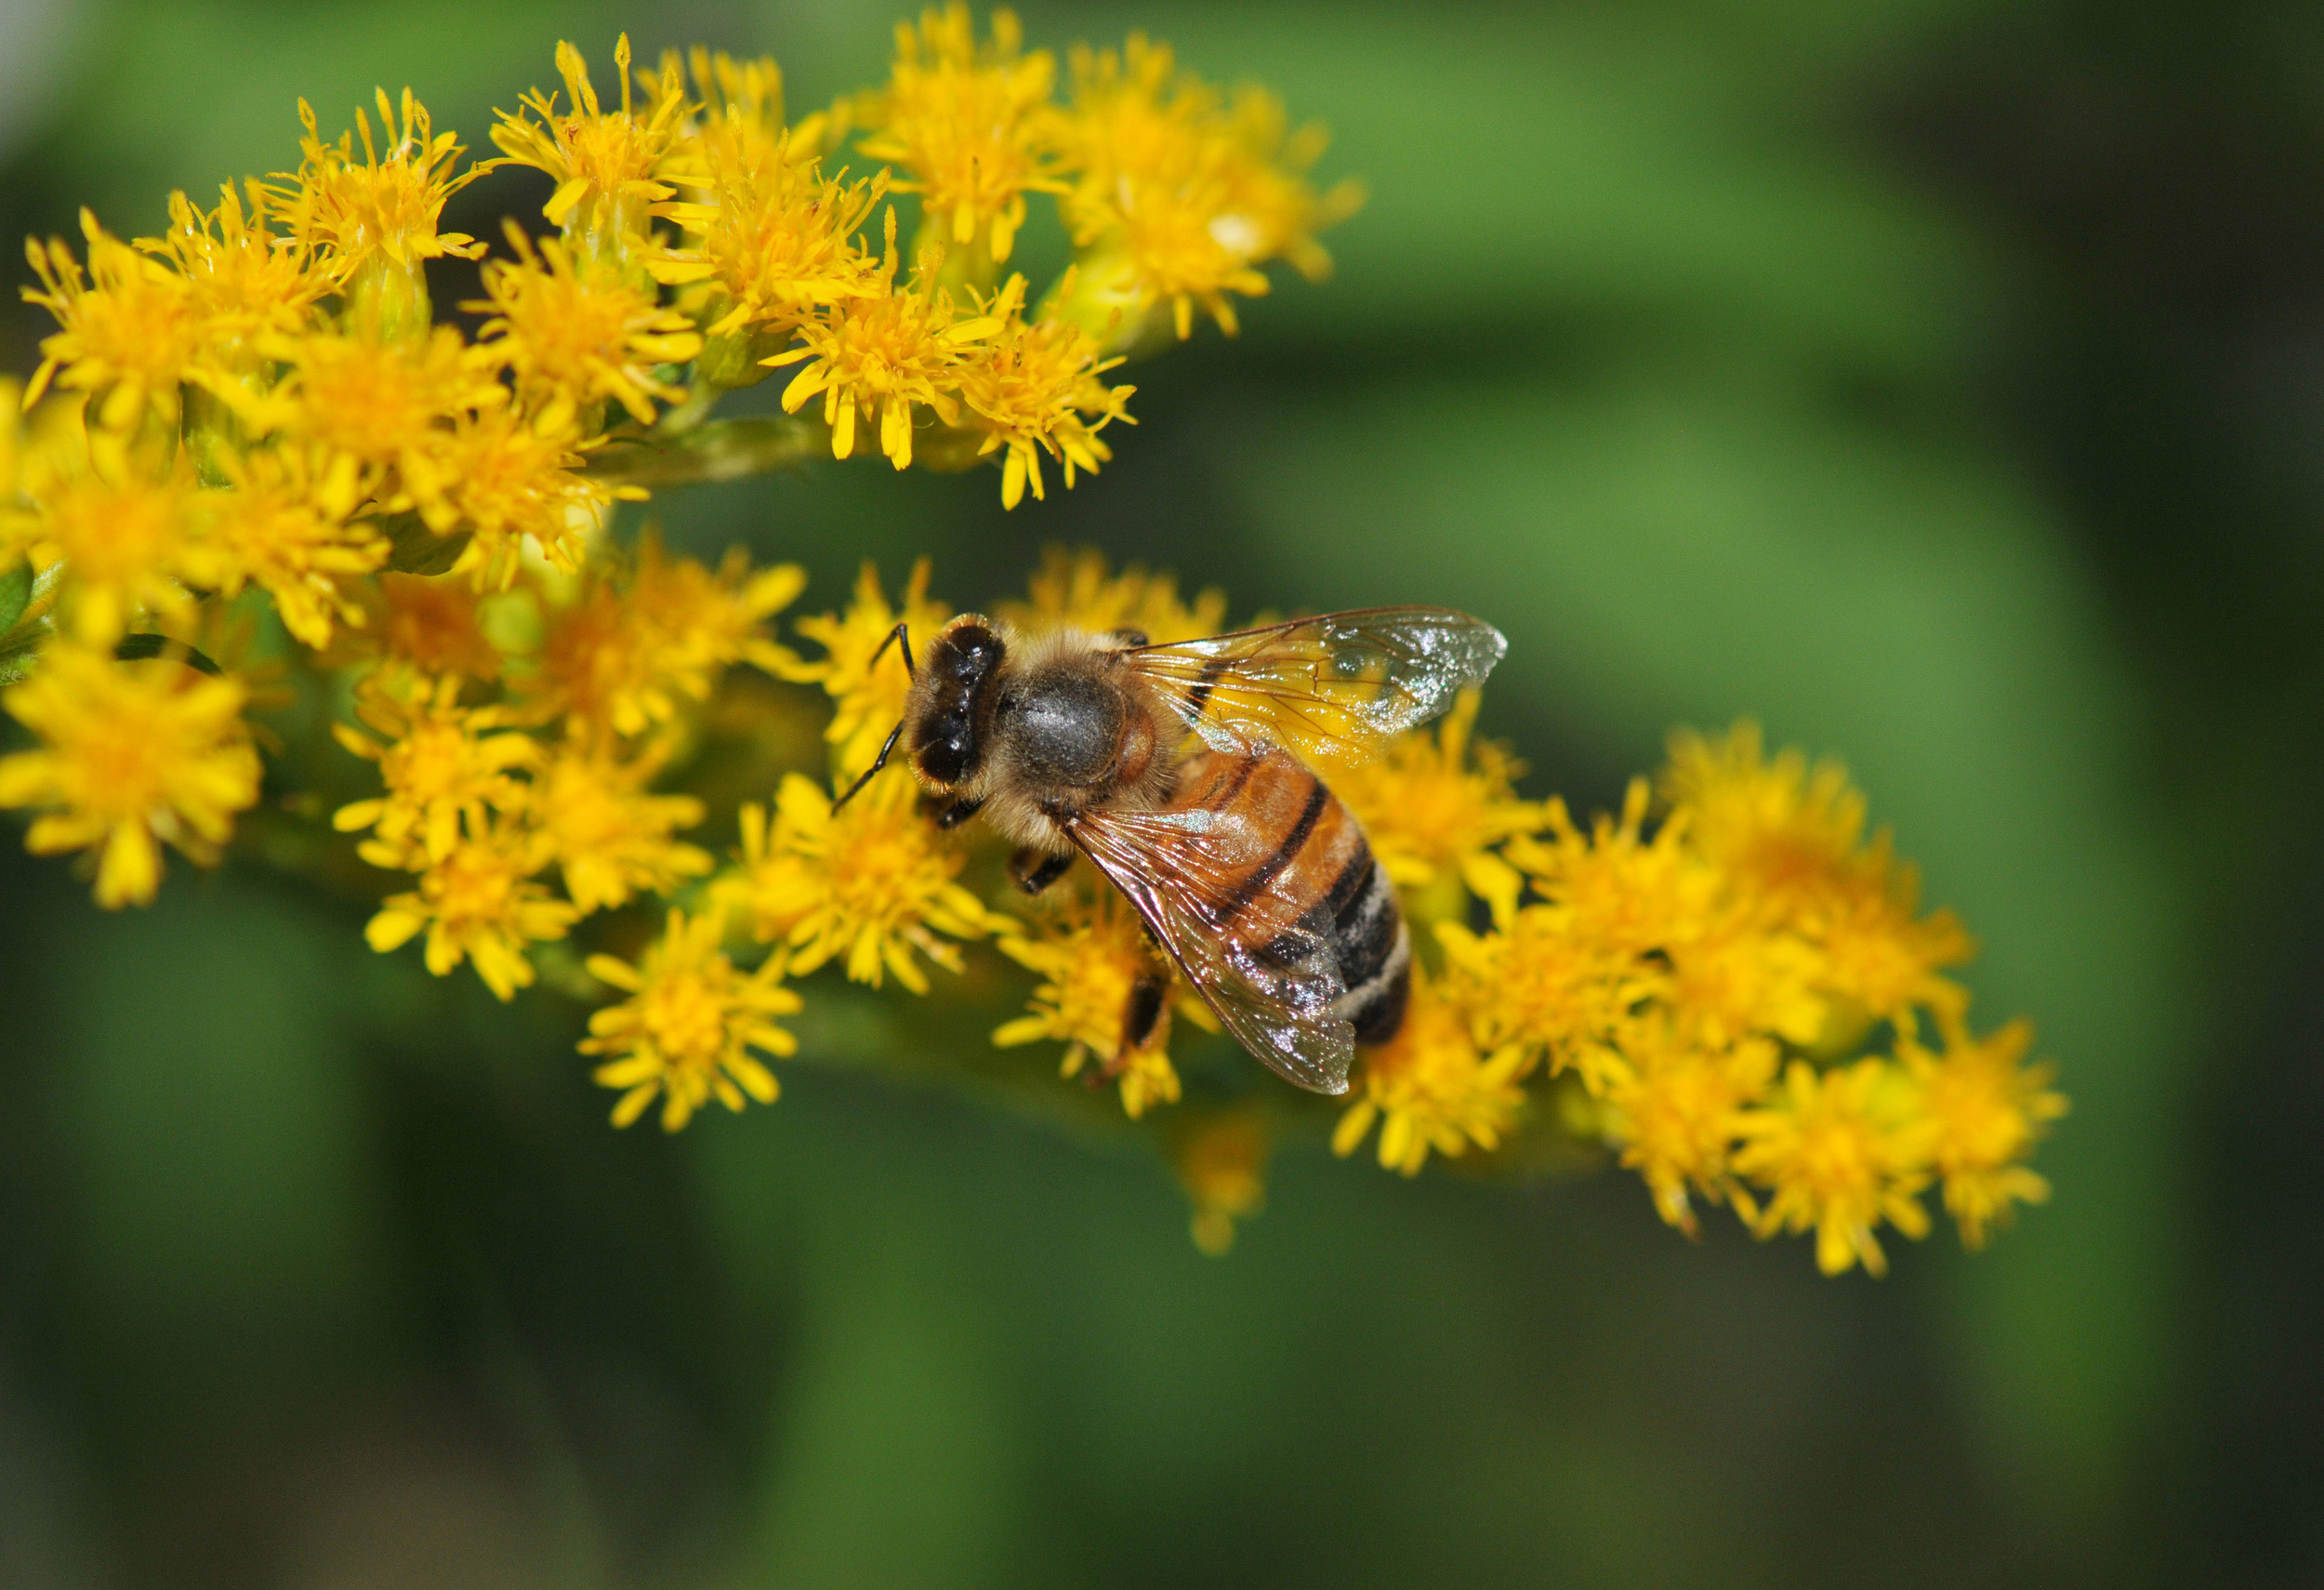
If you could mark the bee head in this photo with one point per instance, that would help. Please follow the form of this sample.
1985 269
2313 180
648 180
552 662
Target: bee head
946 743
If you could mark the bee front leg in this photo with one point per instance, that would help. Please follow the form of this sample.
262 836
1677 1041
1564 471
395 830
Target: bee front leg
1033 870
952 813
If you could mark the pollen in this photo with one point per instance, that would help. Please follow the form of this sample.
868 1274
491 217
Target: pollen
973 123
132 755
687 1031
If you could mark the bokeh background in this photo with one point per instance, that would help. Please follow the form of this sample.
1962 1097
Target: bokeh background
1940 381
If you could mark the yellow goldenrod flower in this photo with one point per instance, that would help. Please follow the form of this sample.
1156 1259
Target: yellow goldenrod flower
874 358
478 902
1881 960
431 623
1430 1088
1093 954
772 235
283 526
130 541
1075 591
128 329
619 659
575 337
688 1027
604 163
441 762
1436 807
972 125
242 282
1549 985
374 224
612 839
873 883
132 754
870 698
1177 199
1838 1152
1634 895
1035 389
1222 1162
1986 1109
379 410
509 480
1672 1106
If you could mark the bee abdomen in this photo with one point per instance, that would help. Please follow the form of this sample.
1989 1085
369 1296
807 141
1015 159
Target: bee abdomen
1364 926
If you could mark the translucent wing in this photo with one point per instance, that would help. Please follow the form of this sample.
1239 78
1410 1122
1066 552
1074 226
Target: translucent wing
1182 869
1334 687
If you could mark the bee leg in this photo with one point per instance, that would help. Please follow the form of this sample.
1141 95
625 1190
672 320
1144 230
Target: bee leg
1033 871
954 812
1143 1013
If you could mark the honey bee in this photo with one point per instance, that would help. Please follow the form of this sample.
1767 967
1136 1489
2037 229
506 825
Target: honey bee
1175 768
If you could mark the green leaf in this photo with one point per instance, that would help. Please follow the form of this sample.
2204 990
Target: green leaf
16 594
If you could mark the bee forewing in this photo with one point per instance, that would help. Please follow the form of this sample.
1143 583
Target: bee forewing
1334 687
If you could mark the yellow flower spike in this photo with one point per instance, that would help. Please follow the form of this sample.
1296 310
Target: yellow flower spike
869 697
242 280
1986 1109
872 885
1035 389
514 483
973 123
687 1031
132 755
478 903
1093 955
1549 986
1631 893
283 526
1838 1152
620 659
1671 1107
575 337
1076 591
1222 1162
442 763
372 224
611 839
129 328
130 541
1178 198
606 163
1439 803
1431 1089
873 359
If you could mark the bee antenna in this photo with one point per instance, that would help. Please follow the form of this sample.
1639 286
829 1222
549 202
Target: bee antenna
896 637
879 761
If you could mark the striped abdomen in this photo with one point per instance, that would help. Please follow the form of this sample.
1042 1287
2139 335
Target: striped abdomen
1302 872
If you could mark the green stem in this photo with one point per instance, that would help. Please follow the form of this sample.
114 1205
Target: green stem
721 450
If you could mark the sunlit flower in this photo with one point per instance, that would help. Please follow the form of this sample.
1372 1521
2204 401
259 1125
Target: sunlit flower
1630 893
1986 1109
478 902
1432 1089
625 652
972 125
1547 985
132 754
687 1031
1672 1106
242 281
1838 1152
875 358
1222 1162
379 410
1035 389
873 883
1093 956
869 694
280 527
130 541
576 337
441 762
1437 805
603 161
610 838
1076 590
127 328
375 222
509 480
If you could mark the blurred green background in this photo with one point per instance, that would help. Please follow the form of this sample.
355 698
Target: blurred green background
1940 381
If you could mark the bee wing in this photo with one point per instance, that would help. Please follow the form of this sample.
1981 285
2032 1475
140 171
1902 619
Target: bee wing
1180 868
1332 687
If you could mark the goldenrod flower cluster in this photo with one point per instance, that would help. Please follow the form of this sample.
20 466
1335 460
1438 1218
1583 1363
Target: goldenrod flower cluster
251 452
